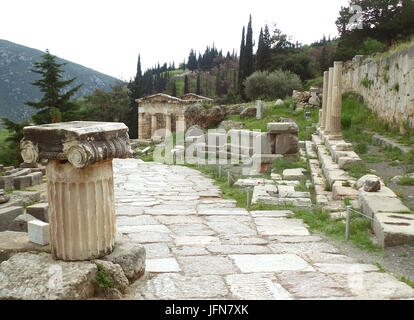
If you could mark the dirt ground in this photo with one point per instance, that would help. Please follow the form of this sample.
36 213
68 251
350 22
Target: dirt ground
398 260
385 170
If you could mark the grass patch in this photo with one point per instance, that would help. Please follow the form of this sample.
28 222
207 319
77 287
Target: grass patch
381 269
406 181
274 113
358 118
281 164
317 220
146 157
407 281
312 83
301 187
356 169
393 154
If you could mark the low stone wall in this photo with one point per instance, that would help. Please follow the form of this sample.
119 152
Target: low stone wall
387 85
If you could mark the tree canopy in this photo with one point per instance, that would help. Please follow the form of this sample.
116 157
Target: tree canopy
55 103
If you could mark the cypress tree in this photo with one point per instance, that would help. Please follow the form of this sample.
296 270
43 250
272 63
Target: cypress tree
259 53
263 53
54 103
241 65
198 89
249 67
267 47
136 91
186 85
174 89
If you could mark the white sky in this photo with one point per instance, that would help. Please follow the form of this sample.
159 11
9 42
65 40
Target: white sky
108 35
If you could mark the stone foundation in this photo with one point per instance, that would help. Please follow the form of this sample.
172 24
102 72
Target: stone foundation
382 97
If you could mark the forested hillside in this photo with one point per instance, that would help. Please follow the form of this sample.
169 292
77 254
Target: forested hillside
16 61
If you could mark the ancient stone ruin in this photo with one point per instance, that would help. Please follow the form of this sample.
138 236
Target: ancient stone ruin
79 175
159 113
280 140
306 99
380 203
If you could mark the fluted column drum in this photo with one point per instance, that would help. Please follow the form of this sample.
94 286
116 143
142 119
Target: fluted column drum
324 99
336 99
81 210
328 120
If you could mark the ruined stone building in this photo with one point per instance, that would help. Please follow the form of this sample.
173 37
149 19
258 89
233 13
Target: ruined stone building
160 111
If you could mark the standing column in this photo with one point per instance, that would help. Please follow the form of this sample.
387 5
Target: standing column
181 123
80 183
168 124
336 99
329 103
153 124
324 100
141 125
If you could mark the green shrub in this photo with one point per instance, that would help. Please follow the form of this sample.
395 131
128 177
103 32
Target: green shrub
367 83
372 46
102 279
271 86
396 87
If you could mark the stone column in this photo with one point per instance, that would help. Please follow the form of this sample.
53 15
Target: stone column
324 100
181 123
141 125
168 124
153 124
336 100
80 183
329 103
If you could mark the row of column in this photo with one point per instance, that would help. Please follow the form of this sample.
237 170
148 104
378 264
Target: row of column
154 124
330 115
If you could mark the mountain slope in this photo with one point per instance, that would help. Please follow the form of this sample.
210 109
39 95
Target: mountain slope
16 78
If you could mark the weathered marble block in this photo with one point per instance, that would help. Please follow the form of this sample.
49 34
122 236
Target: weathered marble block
40 211
38 232
287 144
22 182
282 127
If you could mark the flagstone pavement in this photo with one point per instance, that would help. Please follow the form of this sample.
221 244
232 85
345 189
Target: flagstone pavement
200 246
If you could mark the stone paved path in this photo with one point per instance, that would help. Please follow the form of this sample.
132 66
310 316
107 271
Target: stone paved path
200 246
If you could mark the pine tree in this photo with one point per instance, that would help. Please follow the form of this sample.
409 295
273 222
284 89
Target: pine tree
324 60
192 61
55 102
12 155
186 85
267 48
198 89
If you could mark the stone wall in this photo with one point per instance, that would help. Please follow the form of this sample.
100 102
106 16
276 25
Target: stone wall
380 91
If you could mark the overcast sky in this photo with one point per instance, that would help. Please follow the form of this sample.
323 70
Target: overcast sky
108 35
